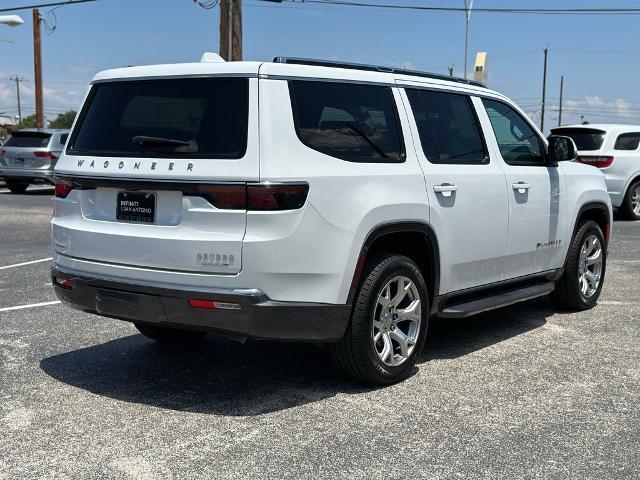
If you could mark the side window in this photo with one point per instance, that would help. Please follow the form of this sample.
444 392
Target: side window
627 141
448 127
357 123
519 144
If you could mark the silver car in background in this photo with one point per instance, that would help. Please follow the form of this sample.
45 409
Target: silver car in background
29 155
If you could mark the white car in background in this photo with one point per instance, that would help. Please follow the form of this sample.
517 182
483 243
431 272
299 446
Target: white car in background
614 149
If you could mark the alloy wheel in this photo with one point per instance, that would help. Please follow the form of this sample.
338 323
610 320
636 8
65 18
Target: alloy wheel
396 321
635 200
590 266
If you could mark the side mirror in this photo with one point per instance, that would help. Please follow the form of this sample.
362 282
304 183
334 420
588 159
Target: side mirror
561 149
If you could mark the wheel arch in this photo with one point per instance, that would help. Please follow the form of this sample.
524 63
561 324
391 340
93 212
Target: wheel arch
421 245
598 212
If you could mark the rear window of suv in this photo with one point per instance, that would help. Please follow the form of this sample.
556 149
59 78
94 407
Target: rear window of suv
357 123
28 140
178 118
584 138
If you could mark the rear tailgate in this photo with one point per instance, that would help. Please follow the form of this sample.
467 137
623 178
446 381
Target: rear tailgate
27 149
152 173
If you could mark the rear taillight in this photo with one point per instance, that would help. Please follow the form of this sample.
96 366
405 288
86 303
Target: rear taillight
2 152
596 161
63 187
48 155
227 197
277 197
260 197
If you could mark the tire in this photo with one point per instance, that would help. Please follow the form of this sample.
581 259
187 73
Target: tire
356 355
16 187
631 203
169 335
570 293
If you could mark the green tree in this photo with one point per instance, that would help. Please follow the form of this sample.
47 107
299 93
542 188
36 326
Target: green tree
63 120
27 122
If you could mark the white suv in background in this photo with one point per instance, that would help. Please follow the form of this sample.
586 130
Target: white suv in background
304 200
614 149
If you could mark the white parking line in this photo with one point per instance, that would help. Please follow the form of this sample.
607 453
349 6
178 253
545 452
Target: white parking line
26 263
31 305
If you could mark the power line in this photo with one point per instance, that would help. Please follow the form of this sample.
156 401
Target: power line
42 5
534 11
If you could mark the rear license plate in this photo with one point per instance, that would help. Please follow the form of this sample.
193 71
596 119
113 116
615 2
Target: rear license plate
136 207
19 162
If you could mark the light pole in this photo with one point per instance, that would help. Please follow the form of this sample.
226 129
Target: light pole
11 20
467 14
14 21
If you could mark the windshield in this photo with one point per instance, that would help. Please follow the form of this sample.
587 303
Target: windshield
584 138
28 140
205 117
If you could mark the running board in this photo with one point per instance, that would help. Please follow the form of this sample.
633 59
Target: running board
473 307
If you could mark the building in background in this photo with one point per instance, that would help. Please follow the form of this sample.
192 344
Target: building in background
6 124
480 70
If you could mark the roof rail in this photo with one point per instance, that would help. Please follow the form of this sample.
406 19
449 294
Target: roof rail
373 68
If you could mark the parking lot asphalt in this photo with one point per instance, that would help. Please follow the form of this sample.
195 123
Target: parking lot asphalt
523 392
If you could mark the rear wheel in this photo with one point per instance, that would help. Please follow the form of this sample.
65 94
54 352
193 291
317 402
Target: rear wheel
17 187
388 324
632 202
169 335
581 283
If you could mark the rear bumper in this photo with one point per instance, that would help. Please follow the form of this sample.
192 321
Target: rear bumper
27 174
258 316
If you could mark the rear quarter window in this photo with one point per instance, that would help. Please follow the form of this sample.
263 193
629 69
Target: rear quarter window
627 141
177 118
356 123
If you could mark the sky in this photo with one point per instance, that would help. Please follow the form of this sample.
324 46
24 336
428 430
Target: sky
598 55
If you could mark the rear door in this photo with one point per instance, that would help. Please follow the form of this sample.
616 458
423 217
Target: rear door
537 194
466 188
157 170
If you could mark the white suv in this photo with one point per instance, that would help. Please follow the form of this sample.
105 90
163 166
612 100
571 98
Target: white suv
615 149
303 200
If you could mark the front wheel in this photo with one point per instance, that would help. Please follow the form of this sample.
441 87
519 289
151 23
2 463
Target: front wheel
388 324
168 335
581 284
16 187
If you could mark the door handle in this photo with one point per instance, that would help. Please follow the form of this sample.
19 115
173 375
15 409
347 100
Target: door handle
446 189
521 187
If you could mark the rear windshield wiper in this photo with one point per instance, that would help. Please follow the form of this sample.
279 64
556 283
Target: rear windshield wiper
144 141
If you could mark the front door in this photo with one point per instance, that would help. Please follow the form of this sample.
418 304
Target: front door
536 190
466 189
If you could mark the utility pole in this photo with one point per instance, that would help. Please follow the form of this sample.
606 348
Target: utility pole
560 109
467 13
450 68
544 90
231 29
37 67
18 79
